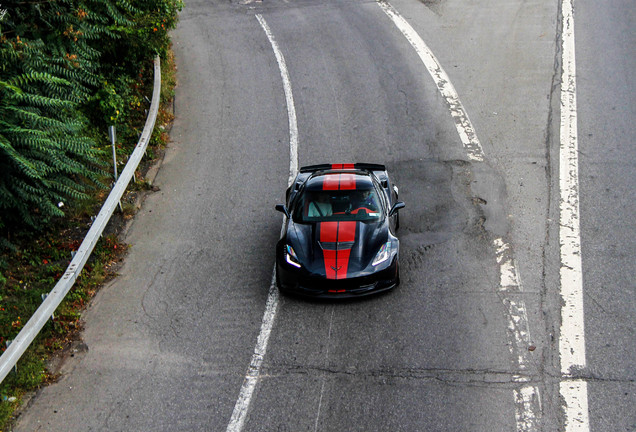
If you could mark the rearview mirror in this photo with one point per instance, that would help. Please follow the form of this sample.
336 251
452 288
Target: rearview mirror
398 205
282 208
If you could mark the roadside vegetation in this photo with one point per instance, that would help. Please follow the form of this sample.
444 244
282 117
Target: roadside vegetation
68 70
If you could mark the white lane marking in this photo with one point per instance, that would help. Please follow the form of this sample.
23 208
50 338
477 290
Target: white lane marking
241 408
528 408
572 335
527 398
289 98
463 124
253 371
574 393
572 343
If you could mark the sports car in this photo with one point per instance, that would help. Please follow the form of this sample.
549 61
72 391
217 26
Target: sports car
339 238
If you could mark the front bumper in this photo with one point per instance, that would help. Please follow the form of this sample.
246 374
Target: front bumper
291 280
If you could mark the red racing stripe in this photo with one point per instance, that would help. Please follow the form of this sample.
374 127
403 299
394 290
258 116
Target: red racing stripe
337 261
342 263
329 232
346 233
339 181
331 182
347 182
331 263
343 166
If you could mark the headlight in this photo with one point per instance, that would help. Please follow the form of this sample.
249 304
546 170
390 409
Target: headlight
383 254
290 256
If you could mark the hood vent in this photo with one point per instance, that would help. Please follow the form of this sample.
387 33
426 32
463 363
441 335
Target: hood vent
336 245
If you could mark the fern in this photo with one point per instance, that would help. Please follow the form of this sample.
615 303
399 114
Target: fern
63 63
42 150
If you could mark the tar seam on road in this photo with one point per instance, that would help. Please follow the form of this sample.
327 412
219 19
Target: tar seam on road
324 379
527 398
572 333
241 408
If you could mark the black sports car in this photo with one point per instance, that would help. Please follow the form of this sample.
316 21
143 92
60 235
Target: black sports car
339 237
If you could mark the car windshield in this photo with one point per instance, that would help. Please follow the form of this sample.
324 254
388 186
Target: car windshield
360 204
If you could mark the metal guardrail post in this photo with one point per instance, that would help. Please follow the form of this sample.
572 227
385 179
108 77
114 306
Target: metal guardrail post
32 328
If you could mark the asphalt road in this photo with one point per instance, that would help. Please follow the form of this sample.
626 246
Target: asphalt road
469 341
606 64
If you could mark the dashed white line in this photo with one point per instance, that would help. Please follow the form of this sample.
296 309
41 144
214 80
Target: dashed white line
463 124
527 398
572 334
528 408
241 407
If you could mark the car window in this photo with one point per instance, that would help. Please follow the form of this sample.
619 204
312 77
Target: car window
337 205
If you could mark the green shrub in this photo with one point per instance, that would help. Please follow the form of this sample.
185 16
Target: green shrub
66 67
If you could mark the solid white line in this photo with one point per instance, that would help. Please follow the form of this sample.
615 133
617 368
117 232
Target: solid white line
462 122
574 393
239 415
241 408
572 337
572 344
291 109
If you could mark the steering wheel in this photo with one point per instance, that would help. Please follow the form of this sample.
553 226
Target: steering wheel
361 209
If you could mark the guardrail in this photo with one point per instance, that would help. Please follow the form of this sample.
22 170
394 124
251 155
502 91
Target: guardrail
32 328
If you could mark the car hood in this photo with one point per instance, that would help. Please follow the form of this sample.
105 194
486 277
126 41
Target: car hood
337 250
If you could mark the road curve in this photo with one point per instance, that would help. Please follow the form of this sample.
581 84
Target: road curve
168 343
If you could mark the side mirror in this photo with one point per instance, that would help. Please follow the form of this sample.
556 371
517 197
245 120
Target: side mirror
398 205
283 209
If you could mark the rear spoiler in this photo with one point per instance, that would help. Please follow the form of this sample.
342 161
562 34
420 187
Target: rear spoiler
362 166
